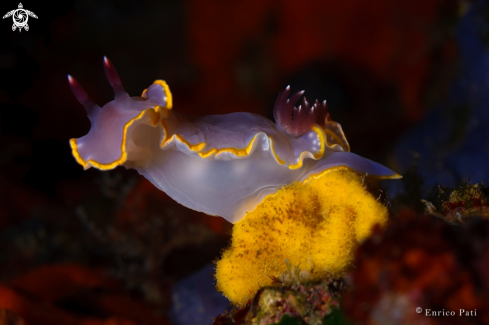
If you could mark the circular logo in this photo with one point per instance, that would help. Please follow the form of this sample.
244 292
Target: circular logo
20 17
419 310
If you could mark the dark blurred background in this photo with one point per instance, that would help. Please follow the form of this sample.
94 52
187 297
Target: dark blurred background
406 80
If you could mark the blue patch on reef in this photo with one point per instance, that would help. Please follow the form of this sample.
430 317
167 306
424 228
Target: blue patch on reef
453 139
195 299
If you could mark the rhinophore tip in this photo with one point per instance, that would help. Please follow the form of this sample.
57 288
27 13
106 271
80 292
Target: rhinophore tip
113 78
81 95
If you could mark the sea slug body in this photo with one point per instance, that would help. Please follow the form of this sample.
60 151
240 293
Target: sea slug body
222 165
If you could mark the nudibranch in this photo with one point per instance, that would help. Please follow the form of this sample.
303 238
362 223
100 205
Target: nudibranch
222 165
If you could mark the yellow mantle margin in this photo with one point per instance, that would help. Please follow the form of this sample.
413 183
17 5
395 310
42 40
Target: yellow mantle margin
198 148
238 152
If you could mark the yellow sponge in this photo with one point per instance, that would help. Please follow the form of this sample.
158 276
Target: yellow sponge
315 226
